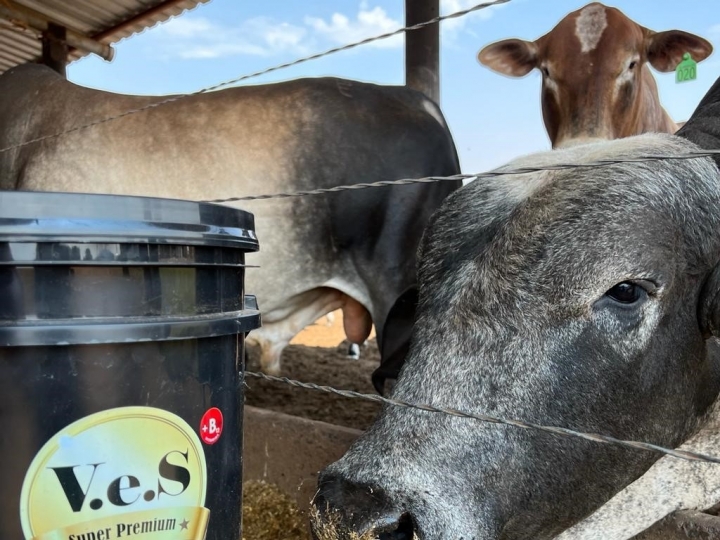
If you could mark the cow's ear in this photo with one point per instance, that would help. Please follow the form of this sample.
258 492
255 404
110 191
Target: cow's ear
709 308
665 49
512 57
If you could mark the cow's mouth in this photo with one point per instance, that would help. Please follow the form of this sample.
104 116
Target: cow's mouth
328 526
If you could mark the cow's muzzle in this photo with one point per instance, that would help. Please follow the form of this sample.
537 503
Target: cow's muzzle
342 510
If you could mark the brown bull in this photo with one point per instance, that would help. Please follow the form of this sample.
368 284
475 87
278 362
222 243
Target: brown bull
596 83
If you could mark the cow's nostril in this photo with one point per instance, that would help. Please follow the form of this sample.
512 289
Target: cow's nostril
345 510
402 530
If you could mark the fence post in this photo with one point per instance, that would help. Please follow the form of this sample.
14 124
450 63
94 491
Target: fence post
55 47
422 48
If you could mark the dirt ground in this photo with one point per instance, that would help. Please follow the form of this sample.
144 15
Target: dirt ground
318 354
325 366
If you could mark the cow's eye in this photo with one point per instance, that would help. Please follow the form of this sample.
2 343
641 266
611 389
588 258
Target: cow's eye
632 65
626 292
546 71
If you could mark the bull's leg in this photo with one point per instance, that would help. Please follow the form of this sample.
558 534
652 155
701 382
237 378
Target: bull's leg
281 325
354 351
270 351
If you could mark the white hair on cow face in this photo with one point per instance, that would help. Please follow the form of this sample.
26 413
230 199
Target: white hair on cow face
590 26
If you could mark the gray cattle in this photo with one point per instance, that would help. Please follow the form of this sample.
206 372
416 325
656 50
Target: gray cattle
703 128
352 250
585 298
670 484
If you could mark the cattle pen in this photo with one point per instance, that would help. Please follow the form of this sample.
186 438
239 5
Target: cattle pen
285 444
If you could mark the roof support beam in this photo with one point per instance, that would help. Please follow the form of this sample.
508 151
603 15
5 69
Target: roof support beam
15 13
422 48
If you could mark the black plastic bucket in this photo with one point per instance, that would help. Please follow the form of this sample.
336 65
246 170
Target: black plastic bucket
122 325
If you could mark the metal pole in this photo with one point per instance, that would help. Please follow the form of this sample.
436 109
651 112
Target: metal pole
55 48
422 48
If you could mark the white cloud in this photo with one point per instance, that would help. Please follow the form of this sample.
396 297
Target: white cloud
451 27
341 29
185 27
200 38
197 37
219 50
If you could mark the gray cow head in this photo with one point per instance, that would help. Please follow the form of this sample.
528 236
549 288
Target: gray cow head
581 298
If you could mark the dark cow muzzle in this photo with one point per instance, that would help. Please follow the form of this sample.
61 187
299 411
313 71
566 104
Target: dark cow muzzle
343 510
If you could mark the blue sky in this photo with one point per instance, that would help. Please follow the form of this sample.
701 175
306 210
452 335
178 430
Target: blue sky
493 118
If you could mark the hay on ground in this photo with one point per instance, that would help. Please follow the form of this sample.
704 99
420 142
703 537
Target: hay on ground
270 514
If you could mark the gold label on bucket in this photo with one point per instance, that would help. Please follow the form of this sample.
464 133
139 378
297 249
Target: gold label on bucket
134 472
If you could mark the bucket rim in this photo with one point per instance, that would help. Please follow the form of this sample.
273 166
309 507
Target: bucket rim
126 330
45 216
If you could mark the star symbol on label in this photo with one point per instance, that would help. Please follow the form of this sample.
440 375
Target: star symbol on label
184 524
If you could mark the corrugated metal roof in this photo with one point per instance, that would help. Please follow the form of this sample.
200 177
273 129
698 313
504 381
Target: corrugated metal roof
108 21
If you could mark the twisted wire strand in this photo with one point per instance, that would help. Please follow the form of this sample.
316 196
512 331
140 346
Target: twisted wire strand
258 73
349 187
563 432
489 174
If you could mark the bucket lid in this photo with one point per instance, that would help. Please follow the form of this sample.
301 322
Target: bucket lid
34 216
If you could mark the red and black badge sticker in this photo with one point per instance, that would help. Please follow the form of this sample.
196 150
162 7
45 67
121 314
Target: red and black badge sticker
211 426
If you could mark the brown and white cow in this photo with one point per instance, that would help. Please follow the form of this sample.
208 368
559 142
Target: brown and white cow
596 83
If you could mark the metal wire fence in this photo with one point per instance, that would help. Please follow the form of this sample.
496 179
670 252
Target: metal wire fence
558 431
483 175
243 78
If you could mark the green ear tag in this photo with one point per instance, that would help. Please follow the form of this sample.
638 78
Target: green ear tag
686 70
